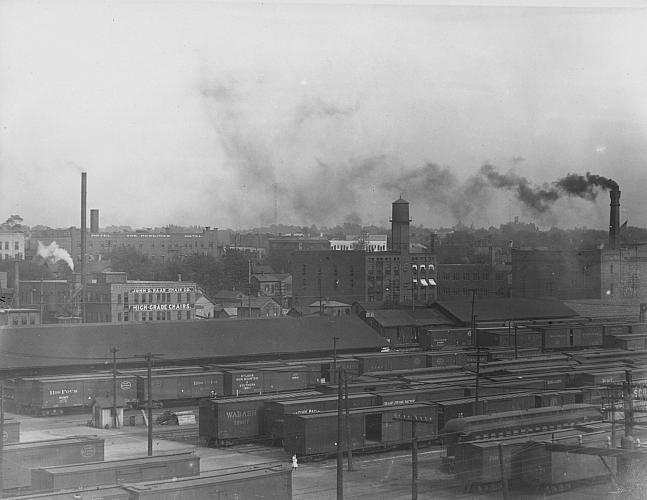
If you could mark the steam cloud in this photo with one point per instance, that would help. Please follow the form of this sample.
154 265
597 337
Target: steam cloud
52 254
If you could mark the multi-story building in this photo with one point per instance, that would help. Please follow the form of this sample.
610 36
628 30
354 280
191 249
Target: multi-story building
392 277
459 281
160 247
12 245
110 297
52 298
280 249
327 275
277 286
369 243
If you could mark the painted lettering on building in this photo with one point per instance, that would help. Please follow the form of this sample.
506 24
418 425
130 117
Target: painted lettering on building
161 307
179 289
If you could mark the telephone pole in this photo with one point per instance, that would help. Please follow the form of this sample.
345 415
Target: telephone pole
340 439
149 359
114 350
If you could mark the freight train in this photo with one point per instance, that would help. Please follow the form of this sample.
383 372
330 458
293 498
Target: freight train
502 369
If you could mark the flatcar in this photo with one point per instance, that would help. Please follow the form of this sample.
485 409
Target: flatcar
129 470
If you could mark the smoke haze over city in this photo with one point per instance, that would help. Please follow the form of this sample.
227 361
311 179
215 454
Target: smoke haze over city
245 115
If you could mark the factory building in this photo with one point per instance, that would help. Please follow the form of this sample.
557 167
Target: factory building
111 298
615 273
393 277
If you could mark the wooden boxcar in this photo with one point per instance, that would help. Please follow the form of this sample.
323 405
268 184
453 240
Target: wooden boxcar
253 482
274 412
180 385
227 421
129 470
55 395
370 429
20 458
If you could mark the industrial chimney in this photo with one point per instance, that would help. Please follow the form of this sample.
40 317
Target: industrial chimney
614 219
94 221
84 228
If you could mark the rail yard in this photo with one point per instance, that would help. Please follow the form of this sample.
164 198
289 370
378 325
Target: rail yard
495 418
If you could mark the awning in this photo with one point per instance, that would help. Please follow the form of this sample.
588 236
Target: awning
432 282
424 282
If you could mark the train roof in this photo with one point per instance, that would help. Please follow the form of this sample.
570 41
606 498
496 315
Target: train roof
470 424
89 344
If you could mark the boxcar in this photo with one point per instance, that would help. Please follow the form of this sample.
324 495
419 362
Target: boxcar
441 338
176 385
588 336
370 429
446 358
388 361
128 470
227 421
98 492
274 412
552 471
556 398
284 378
11 431
253 482
598 378
20 458
239 382
54 395
478 465
555 337
419 394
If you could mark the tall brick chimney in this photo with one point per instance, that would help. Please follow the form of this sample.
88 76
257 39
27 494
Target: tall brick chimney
614 218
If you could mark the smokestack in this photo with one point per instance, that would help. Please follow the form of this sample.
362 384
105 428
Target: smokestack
94 220
84 184
614 219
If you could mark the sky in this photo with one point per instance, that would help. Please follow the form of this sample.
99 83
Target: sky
244 114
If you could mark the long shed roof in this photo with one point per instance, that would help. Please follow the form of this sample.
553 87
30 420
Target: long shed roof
90 344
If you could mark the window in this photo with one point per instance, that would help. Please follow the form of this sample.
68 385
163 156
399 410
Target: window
150 298
118 298
158 316
119 317
611 268
16 246
6 245
143 298
136 298
179 315
32 320
150 316
466 275
125 316
157 297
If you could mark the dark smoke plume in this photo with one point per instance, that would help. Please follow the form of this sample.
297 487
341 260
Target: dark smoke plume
541 198
585 186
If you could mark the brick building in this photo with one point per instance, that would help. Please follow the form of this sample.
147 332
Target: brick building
455 281
110 297
12 245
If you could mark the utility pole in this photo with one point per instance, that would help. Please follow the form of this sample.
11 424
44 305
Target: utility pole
628 403
504 482
349 438
478 353
1 438
149 359
249 287
113 350
334 354
414 461
340 440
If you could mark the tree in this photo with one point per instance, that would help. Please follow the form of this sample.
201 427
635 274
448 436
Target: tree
14 223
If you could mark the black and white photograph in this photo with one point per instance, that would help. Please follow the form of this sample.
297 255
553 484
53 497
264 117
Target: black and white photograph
276 250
